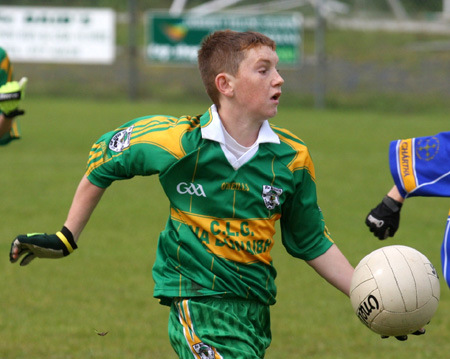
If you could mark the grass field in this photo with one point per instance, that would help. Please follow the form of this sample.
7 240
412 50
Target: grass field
52 308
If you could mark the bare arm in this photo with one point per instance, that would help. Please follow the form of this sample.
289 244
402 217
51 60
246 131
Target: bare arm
335 268
84 202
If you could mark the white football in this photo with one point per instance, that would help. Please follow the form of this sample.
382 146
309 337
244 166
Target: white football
395 290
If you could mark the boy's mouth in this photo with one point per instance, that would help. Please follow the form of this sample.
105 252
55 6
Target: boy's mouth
276 97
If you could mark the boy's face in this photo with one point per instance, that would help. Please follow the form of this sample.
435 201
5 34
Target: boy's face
257 84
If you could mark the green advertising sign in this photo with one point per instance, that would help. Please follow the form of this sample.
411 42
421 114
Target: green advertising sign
177 39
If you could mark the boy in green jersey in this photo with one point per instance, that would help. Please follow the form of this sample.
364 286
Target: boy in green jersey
229 176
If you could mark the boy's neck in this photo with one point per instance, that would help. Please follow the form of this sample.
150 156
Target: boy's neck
244 130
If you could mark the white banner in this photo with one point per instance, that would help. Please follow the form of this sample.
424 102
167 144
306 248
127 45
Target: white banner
58 34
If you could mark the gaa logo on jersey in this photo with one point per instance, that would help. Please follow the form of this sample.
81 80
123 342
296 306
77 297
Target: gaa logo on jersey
191 189
427 148
121 140
204 351
271 196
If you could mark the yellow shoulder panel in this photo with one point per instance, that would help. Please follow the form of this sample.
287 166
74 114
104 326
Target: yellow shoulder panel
302 159
163 132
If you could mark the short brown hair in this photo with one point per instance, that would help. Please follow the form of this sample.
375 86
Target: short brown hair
223 51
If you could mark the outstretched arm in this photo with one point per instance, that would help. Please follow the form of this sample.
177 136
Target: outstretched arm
62 243
335 268
84 202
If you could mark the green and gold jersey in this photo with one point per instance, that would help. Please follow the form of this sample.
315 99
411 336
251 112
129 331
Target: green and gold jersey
221 226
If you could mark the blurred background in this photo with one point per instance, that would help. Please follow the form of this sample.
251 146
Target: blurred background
386 54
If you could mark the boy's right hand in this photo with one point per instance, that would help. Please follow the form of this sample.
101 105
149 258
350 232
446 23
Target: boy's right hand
42 245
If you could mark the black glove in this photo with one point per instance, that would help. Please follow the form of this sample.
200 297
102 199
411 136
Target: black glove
384 219
402 338
14 113
42 245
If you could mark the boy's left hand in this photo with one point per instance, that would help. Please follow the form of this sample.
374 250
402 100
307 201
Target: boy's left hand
42 245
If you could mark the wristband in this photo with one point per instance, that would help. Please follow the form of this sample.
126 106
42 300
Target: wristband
66 236
392 204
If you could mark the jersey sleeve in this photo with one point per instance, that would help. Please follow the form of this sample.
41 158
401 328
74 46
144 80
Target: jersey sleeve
141 147
304 233
420 166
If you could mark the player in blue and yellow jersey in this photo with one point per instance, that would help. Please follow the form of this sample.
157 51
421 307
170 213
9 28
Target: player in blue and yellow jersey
229 176
420 167
11 93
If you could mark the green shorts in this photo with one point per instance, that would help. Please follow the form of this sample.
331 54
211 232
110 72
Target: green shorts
219 328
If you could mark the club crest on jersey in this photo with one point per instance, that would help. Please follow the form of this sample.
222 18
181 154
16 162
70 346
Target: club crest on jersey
121 140
204 351
427 148
271 196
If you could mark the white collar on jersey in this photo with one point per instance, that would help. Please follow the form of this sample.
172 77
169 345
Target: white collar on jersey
214 130
236 155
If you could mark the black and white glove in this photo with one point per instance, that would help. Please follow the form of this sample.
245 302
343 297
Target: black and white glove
384 219
42 245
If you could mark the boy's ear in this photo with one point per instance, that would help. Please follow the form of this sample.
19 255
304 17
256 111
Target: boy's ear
224 84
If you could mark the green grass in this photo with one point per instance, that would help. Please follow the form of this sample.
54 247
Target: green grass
51 309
